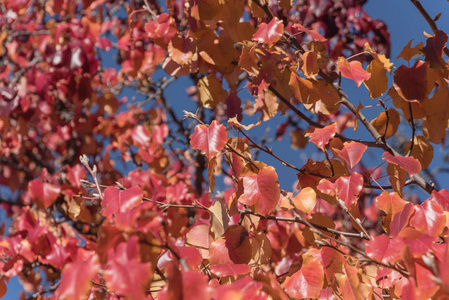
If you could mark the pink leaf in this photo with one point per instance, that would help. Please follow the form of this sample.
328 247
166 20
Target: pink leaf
384 249
429 218
321 136
269 33
347 188
441 198
315 35
409 164
261 191
230 270
353 70
119 201
210 140
352 152
77 277
125 274
307 282
44 194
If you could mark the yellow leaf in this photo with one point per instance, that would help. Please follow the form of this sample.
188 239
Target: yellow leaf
408 52
210 91
422 151
380 58
397 178
378 82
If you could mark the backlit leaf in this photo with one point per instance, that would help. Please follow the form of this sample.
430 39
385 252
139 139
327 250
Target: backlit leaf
261 191
397 177
181 50
210 91
377 84
119 201
408 52
411 83
305 201
219 218
409 164
390 204
269 33
380 123
310 66
209 139
422 151
401 219
261 248
441 198
353 70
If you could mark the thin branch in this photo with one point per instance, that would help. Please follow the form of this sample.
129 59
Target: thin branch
429 20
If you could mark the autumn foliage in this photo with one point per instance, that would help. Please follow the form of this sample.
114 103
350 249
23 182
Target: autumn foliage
113 188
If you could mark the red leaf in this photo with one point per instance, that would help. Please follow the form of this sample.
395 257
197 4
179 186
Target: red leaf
119 201
411 83
261 191
330 259
409 164
433 51
3 288
401 219
307 282
421 245
230 270
347 188
429 218
384 249
75 174
77 277
321 136
352 152
315 35
44 194
210 140
353 70
409 290
441 198
234 248
269 33
125 274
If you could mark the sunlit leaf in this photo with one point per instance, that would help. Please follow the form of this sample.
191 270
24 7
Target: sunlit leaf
305 201
321 136
261 191
119 201
384 249
269 33
308 281
209 139
409 164
353 70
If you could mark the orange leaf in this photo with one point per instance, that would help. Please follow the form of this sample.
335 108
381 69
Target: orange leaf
210 91
352 70
408 52
310 66
380 123
261 191
305 201
378 83
398 177
422 150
